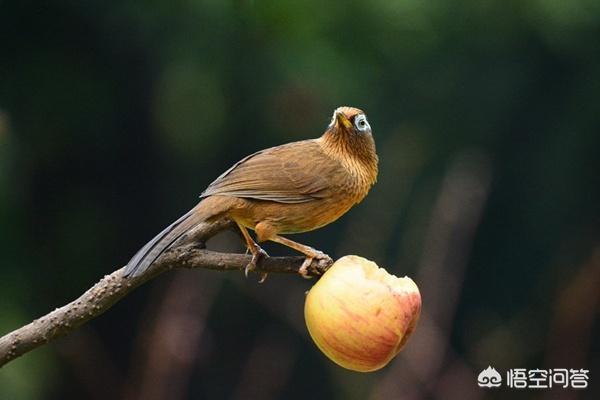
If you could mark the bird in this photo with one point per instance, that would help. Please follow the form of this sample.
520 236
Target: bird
292 188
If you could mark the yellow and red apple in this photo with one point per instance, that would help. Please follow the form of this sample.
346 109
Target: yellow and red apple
359 315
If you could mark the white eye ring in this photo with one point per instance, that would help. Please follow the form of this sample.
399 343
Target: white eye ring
360 122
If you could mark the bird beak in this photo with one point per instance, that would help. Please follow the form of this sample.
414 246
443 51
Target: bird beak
342 120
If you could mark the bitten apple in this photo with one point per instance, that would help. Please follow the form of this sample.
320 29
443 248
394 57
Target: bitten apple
359 315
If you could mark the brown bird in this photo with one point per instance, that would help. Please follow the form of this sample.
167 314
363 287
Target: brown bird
296 187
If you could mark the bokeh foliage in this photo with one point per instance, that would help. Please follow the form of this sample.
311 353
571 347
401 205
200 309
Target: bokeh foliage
114 116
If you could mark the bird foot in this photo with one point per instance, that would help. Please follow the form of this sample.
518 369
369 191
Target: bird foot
257 254
323 261
263 277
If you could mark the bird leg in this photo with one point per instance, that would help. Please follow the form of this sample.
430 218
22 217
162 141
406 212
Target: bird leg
310 253
257 253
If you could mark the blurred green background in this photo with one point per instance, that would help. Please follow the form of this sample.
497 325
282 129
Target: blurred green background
114 116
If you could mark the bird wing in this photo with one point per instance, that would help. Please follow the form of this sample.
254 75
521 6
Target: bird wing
292 173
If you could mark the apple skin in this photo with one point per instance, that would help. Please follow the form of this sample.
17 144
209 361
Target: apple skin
359 315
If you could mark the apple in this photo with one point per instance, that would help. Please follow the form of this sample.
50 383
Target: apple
359 315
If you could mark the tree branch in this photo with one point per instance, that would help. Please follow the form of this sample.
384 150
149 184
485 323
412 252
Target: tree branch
114 287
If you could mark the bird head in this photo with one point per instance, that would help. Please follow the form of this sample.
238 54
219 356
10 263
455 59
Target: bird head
350 120
349 139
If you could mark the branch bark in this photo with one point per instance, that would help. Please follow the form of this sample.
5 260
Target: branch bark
114 287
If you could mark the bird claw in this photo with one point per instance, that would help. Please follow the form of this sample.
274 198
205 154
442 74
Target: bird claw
323 260
263 277
257 254
303 271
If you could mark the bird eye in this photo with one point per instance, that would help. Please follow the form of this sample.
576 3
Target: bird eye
361 123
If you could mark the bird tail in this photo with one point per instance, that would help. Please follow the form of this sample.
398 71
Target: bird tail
161 242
